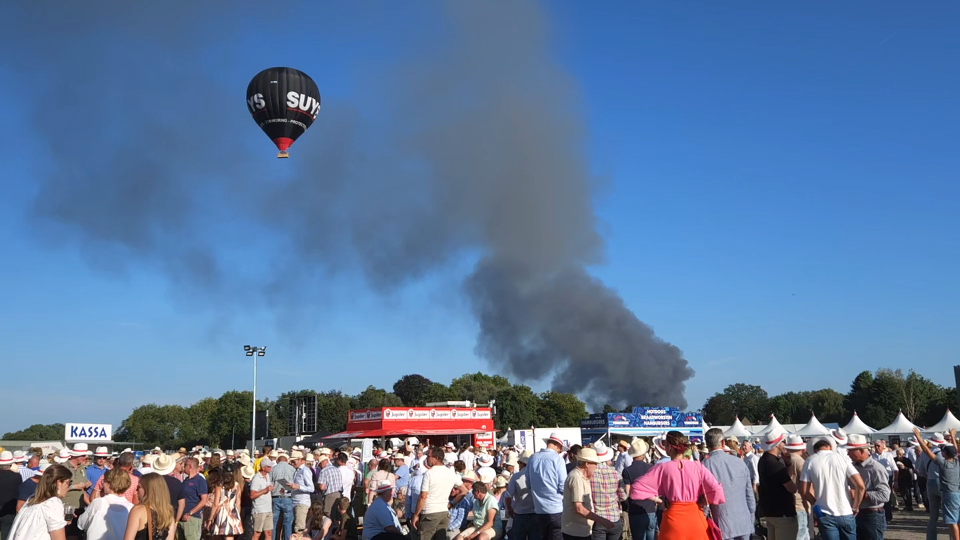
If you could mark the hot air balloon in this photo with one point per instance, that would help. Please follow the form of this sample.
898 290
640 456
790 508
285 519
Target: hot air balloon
284 102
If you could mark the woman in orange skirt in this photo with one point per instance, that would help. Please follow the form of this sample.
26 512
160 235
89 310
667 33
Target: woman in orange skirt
685 485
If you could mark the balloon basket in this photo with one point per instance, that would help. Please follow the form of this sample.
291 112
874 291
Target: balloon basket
281 155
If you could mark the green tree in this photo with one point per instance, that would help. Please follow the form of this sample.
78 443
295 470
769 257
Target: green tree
828 405
373 398
560 409
743 400
153 425
438 392
37 433
719 410
791 407
332 410
412 389
608 408
516 408
478 387
197 426
234 412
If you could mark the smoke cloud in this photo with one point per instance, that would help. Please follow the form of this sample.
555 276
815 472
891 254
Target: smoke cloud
476 148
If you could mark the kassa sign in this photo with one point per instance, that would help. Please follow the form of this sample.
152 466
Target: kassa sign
87 432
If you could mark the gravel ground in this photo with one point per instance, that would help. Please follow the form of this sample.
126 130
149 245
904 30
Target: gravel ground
912 526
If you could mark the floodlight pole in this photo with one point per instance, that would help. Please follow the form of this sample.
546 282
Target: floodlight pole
254 352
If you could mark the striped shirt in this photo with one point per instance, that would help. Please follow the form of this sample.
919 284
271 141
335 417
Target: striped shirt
332 480
607 491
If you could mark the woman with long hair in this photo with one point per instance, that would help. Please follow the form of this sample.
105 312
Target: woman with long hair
152 519
213 480
685 485
383 474
42 517
225 510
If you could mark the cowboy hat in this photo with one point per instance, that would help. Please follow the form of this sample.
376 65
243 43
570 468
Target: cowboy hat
164 464
80 449
102 452
247 471
525 456
795 442
771 441
604 452
857 442
588 455
638 448
555 439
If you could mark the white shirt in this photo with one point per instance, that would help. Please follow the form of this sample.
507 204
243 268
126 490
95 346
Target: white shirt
828 472
886 458
450 457
37 521
438 482
349 477
106 518
752 461
468 458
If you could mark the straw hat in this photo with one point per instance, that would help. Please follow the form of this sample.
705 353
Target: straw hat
80 449
485 460
771 441
525 456
6 458
500 482
638 448
247 471
588 455
840 436
795 442
469 476
296 454
149 459
384 485
164 464
102 452
604 452
555 439
857 442
63 456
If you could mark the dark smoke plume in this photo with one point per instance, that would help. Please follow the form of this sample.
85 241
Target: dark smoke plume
471 145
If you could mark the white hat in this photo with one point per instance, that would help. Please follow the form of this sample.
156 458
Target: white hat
63 456
102 452
247 471
857 442
485 460
638 448
80 449
326 451
555 438
604 452
525 456
125 450
658 443
164 464
265 462
450 445
6 457
938 439
795 442
44 465
230 453
157 449
274 454
384 485
840 436
310 459
771 441
589 455
19 456
296 454
148 459
469 476
913 441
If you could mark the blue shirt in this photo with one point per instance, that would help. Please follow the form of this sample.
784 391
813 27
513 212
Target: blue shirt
546 475
27 488
403 476
191 491
379 516
413 493
303 478
459 512
93 474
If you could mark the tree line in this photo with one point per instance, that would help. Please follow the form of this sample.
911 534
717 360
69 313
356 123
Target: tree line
226 421
876 397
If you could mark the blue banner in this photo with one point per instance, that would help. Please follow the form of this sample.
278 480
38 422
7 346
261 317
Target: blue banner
661 418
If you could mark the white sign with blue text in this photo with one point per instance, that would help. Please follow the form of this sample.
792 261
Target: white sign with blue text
87 432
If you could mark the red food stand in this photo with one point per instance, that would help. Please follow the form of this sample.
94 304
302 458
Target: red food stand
434 423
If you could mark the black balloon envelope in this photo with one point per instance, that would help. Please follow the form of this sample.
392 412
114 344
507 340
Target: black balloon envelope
284 102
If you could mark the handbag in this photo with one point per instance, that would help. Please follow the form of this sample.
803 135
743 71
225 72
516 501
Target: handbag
713 531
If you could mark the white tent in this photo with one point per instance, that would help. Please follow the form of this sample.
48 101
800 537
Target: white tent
899 426
773 426
736 430
948 422
856 426
813 428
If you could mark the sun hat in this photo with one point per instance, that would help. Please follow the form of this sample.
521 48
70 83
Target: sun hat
274 454
244 459
795 442
555 439
771 441
500 482
44 465
247 471
6 457
857 442
913 441
102 452
658 443
525 456
310 459
938 439
384 485
588 455
623 443
485 460
450 445
148 459
469 476
63 456
230 453
80 449
604 452
638 448
325 451
840 436
164 464
296 454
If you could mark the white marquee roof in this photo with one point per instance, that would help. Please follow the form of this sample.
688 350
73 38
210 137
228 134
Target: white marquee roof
856 426
813 427
899 426
948 422
736 430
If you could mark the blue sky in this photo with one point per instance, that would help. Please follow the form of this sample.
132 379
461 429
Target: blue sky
780 203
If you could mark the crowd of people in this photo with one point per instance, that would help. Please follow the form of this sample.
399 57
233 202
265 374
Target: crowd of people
781 487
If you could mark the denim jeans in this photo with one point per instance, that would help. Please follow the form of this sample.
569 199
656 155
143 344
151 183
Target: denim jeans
933 495
838 527
550 526
871 525
285 505
643 526
602 533
525 527
803 526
